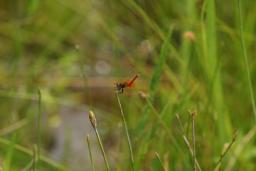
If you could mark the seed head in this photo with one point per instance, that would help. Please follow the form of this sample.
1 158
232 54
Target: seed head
190 36
193 113
92 119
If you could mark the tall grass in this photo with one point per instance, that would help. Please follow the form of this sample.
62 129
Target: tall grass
154 85
9 155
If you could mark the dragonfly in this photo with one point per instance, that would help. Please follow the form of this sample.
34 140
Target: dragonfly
121 86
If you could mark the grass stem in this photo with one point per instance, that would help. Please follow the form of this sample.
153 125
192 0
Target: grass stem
13 127
243 46
102 149
194 138
240 147
35 158
126 131
38 129
225 152
90 152
31 166
188 143
160 161
94 125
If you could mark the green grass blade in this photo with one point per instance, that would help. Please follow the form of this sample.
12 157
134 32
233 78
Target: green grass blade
165 50
154 84
9 155
245 56
213 70
90 152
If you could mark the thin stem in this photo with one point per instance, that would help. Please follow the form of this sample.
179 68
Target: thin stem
38 128
194 140
187 131
240 147
161 121
32 164
187 143
102 149
15 126
27 167
226 151
126 131
160 161
246 59
35 158
90 152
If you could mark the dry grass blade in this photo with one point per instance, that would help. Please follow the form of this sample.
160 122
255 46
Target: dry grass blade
160 161
225 152
247 138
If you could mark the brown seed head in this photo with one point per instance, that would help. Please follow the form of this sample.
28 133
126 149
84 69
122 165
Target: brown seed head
193 113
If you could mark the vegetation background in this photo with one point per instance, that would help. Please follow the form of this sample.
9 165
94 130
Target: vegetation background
60 58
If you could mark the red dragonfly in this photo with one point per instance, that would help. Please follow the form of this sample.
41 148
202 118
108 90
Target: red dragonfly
120 86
